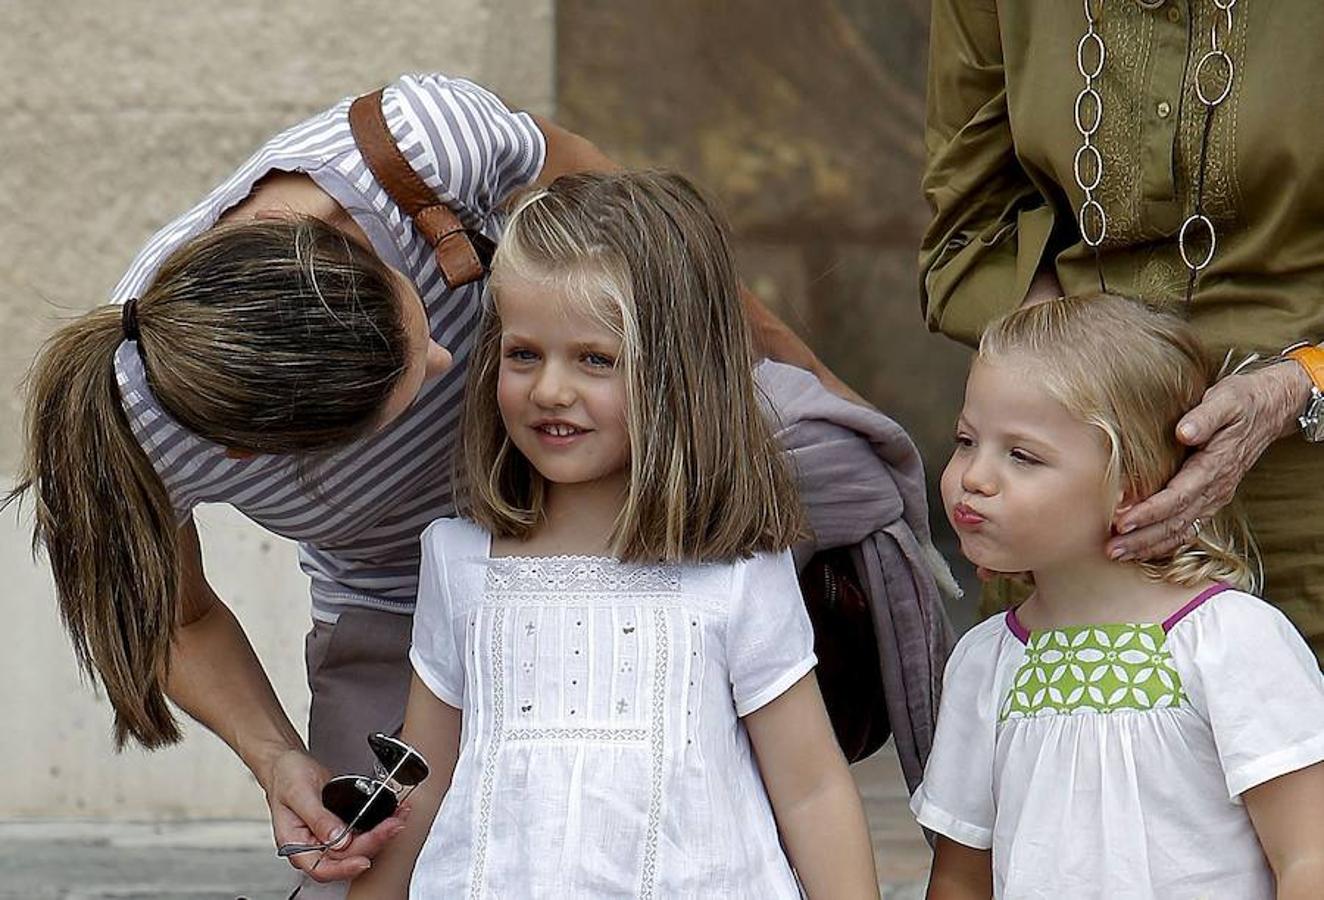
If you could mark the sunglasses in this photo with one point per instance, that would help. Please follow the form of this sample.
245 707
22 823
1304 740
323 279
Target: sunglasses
363 803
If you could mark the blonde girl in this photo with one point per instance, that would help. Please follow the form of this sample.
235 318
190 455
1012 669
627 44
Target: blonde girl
1131 730
613 666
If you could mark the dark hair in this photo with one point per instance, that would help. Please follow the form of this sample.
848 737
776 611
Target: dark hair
276 336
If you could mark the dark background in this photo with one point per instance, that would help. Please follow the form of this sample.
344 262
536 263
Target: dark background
805 121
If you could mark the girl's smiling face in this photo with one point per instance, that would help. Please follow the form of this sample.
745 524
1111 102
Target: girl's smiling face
560 388
1027 485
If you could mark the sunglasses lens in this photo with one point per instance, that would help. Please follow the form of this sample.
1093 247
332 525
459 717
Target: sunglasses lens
352 796
397 756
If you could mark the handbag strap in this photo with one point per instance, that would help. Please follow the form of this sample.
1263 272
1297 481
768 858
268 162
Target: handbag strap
457 257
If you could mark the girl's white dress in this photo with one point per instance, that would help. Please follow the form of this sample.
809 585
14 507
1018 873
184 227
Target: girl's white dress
1108 761
602 752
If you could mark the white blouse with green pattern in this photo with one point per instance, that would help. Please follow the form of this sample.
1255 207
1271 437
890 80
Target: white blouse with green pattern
1109 760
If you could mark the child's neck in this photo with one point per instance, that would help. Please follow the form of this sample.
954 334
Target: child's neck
578 519
1099 591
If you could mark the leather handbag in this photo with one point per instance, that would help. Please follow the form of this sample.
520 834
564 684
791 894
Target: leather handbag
849 674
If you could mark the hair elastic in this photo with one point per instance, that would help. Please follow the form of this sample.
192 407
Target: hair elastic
129 319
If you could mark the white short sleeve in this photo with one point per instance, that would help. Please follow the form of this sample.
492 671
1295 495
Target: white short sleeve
769 641
435 653
467 145
956 797
1258 684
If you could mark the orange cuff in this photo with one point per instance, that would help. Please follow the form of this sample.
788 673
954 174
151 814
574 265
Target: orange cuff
1312 360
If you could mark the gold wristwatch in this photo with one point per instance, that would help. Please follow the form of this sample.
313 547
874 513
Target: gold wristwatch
1312 418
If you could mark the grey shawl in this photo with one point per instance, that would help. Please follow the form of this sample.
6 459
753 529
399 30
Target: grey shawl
862 484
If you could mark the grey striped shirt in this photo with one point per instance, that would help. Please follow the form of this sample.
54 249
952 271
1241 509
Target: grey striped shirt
358 515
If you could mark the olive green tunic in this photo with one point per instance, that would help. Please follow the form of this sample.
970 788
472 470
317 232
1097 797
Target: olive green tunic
1001 139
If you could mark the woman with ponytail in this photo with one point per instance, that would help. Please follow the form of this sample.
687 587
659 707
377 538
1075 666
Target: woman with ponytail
262 356
280 348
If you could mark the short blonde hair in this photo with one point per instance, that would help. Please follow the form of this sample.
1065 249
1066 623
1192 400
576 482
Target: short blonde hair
706 479
1132 372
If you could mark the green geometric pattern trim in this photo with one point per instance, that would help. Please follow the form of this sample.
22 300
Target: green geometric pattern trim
1094 669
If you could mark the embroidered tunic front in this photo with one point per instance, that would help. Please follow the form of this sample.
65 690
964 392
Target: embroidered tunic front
602 752
1108 760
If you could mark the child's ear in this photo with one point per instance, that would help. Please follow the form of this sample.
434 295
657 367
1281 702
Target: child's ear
1127 501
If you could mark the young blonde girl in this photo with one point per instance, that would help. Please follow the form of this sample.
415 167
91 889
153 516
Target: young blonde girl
1130 731
613 665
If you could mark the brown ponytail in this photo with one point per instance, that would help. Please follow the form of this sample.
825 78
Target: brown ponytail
106 524
275 336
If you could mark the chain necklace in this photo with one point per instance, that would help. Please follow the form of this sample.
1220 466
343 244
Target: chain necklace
1087 166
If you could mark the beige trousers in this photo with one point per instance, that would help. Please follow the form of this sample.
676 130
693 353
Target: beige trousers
358 672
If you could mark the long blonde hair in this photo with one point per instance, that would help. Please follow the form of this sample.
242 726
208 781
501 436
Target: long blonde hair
279 336
706 479
1132 372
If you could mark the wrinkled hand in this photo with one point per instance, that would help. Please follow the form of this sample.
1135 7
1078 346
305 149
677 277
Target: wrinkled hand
1234 424
298 817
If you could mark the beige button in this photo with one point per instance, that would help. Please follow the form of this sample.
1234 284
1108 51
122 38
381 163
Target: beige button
1174 14
1164 109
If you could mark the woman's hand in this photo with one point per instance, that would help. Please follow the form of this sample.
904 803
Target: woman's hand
1234 424
298 817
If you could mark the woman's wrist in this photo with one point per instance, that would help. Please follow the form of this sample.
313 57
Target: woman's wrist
1296 385
262 757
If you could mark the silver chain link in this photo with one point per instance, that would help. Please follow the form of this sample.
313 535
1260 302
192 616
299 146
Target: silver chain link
1216 55
1087 166
1093 220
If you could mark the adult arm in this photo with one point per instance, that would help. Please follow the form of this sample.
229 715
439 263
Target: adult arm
217 679
432 727
817 806
1288 815
990 226
1239 417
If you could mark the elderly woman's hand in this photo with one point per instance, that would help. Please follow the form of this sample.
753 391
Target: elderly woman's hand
1237 420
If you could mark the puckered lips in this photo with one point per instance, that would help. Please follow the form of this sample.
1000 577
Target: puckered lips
965 516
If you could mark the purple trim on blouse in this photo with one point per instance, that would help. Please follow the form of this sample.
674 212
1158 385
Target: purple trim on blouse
1022 633
1014 625
1195 602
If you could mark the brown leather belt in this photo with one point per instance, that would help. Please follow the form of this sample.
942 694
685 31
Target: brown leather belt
462 254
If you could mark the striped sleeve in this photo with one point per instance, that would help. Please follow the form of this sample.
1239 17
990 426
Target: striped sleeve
465 143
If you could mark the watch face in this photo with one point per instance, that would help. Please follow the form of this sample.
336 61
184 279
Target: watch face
1312 420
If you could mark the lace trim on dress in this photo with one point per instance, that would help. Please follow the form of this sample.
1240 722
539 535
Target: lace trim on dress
648 877
579 575
493 751
614 735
